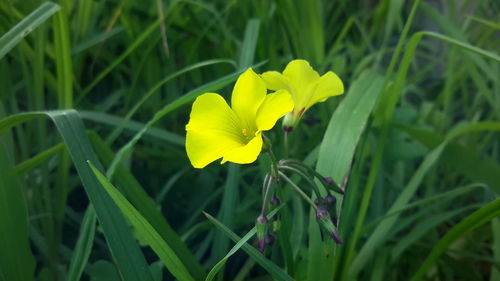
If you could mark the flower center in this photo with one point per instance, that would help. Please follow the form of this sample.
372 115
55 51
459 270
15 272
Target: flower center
244 132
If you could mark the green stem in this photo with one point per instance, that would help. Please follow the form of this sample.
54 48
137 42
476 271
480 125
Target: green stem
286 145
321 178
303 175
265 191
274 164
301 193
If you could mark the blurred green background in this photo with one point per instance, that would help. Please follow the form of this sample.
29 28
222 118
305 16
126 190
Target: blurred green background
419 121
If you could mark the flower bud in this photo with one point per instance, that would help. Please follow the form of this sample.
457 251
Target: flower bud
289 122
330 199
326 223
321 214
275 201
330 184
261 226
336 237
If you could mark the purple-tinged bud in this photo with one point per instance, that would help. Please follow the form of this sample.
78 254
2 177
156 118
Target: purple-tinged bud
261 244
336 237
262 219
270 239
318 202
261 226
322 213
330 199
328 180
330 184
275 201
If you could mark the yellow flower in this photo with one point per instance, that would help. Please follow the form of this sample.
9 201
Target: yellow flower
234 133
305 85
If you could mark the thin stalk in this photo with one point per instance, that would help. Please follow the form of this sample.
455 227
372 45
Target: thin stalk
299 191
303 175
285 140
274 163
265 192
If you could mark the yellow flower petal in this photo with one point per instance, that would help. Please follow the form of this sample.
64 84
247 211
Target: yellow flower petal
245 154
248 93
204 147
302 79
274 107
275 80
328 85
213 129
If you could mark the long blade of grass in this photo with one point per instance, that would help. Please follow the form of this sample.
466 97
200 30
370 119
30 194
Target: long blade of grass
133 127
343 131
83 247
144 229
124 249
38 159
16 260
473 221
268 265
10 39
217 267
462 158
136 194
380 233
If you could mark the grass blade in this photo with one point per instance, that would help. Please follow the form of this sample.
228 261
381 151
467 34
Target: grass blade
10 39
236 247
124 249
268 265
83 246
144 229
343 131
473 221
136 194
16 260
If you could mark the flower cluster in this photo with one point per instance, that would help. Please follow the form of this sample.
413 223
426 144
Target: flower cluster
235 134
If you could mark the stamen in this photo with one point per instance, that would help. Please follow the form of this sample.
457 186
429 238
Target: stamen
244 132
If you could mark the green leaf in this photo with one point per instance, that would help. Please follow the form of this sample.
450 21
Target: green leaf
83 246
16 260
463 159
336 153
10 39
276 272
213 272
473 221
144 229
136 194
38 159
380 234
124 249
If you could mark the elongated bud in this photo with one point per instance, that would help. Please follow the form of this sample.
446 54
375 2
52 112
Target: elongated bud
336 237
291 120
324 220
330 183
275 201
261 226
330 199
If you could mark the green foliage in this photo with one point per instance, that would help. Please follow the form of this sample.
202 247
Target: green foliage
414 141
